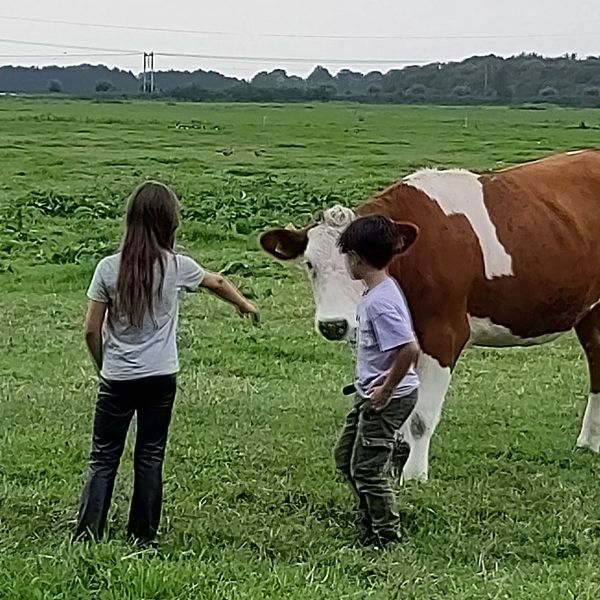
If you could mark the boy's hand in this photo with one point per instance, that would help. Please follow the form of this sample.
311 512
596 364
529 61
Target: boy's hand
380 396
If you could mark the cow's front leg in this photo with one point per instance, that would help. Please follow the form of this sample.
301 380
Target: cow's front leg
441 346
419 428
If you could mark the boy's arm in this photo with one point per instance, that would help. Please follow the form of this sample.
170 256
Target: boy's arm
393 329
94 319
224 289
405 358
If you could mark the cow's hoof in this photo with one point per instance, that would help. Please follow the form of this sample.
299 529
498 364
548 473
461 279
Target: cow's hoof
413 477
593 445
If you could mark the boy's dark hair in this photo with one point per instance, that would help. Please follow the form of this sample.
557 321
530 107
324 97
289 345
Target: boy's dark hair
375 238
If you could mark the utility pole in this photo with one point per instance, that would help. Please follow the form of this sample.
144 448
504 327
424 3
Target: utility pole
151 72
144 77
148 77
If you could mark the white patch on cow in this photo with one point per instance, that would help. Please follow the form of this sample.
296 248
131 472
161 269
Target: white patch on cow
460 192
484 332
338 217
590 428
336 294
419 428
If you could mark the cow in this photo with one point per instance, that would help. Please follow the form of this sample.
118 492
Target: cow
498 259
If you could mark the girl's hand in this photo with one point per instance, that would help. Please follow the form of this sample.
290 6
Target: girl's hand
248 309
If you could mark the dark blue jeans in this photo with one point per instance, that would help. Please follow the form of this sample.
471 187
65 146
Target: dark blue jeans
152 400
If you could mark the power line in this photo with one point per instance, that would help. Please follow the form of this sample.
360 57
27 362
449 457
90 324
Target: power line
252 59
300 35
75 47
238 59
69 55
292 59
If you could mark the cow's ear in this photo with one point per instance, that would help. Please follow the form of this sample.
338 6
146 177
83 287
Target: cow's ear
284 243
408 236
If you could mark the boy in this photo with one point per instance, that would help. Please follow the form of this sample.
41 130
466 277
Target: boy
386 382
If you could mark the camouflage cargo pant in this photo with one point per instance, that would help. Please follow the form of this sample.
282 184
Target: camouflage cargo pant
368 452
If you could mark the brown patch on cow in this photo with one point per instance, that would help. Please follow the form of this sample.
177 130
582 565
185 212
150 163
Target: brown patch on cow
284 243
408 236
547 216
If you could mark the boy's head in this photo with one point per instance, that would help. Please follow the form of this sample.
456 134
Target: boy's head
371 242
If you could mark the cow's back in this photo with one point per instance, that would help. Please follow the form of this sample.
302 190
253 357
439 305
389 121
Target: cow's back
557 198
518 247
547 216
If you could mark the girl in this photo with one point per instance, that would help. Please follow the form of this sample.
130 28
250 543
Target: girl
130 330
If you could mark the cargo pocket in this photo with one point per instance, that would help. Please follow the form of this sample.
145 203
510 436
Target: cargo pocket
375 455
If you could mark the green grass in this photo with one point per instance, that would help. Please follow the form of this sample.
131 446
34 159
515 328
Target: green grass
253 508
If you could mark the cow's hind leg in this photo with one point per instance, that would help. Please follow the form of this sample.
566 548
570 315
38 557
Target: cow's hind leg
588 332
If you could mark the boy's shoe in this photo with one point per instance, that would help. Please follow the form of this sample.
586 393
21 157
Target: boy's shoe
366 532
385 540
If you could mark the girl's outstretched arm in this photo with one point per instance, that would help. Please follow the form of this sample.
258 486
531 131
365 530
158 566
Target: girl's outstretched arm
224 289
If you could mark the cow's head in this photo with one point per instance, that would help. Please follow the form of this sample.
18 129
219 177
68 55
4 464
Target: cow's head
335 293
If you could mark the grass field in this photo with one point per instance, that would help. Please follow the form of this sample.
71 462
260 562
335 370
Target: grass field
253 508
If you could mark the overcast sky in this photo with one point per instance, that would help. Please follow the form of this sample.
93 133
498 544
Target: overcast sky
261 34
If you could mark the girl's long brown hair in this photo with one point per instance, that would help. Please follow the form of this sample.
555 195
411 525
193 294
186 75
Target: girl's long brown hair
151 222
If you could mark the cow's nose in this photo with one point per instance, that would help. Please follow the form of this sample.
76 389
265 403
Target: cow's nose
333 330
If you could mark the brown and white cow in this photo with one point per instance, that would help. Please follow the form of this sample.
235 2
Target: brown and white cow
507 258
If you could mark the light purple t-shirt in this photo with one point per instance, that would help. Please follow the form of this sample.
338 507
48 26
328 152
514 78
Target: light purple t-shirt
384 324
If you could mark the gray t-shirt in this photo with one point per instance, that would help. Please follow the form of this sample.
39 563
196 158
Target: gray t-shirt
131 352
384 324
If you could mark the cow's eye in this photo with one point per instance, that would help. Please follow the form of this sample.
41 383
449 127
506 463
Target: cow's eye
309 265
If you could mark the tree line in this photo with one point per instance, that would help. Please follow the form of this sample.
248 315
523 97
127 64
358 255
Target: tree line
567 80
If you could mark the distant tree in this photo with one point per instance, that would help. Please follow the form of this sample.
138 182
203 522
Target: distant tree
416 91
326 92
350 81
208 80
461 91
500 83
591 96
295 82
525 78
277 79
393 81
319 77
373 78
55 86
265 80
548 92
105 86
192 92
